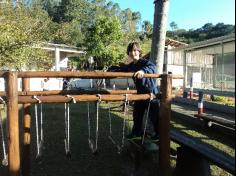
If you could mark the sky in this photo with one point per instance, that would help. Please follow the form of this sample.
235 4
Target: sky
187 14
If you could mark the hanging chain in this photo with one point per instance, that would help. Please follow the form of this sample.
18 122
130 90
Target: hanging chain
5 158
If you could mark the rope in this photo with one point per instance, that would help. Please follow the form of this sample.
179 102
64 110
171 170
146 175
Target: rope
98 102
89 131
5 159
67 126
110 131
39 142
109 116
37 130
67 129
124 121
119 147
145 126
91 143
41 124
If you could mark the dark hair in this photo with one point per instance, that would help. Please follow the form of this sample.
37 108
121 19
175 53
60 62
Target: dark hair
132 45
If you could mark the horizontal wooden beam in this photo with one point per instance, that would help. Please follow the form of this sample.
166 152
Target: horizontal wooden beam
73 92
81 98
78 74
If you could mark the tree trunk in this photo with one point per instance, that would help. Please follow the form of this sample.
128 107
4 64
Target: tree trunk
159 33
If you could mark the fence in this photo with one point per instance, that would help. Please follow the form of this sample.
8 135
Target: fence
13 98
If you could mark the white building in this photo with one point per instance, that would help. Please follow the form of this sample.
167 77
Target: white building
209 64
61 54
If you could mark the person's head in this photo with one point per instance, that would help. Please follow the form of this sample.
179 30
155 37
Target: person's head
134 51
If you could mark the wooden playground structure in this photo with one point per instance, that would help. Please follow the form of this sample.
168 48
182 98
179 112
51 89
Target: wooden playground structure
19 163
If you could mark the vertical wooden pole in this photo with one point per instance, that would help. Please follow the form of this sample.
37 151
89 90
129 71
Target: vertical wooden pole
26 130
13 124
164 125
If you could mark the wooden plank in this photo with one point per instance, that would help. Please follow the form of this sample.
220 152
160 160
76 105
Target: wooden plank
66 74
74 92
77 74
217 119
81 98
214 155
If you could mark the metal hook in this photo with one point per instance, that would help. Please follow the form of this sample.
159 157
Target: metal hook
99 97
35 97
72 98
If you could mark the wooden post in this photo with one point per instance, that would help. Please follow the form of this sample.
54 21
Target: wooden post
164 125
26 130
13 124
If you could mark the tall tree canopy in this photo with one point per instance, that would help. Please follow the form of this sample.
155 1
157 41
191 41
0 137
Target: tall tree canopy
21 32
102 41
26 23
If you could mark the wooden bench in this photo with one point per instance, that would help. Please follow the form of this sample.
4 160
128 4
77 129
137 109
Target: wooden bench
216 119
196 155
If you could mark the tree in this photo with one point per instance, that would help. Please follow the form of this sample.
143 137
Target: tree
173 26
147 29
130 21
102 41
20 37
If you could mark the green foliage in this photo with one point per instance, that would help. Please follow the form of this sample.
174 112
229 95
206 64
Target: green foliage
102 41
146 30
206 32
130 21
79 23
66 22
20 32
223 100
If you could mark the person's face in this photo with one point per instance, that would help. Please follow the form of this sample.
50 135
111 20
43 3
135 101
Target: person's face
134 54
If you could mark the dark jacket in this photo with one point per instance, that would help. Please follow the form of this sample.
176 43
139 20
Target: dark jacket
144 85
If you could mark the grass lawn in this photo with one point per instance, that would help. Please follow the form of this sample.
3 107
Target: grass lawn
107 162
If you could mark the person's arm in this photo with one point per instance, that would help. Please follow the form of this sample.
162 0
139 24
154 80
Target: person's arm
148 68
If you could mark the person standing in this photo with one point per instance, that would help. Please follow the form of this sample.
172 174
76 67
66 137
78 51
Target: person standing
143 85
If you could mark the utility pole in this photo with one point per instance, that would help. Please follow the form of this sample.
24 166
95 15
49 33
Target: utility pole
159 33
